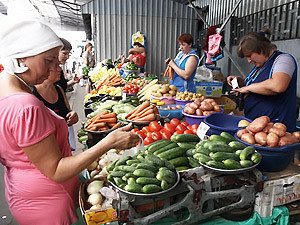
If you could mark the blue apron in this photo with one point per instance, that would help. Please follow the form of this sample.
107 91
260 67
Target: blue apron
182 84
279 108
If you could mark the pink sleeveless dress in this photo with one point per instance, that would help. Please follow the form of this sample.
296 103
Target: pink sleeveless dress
33 198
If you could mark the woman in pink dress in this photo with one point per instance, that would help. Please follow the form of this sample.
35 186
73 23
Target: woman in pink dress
41 182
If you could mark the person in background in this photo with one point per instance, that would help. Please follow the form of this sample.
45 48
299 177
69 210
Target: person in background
40 172
137 54
270 88
87 55
63 56
184 65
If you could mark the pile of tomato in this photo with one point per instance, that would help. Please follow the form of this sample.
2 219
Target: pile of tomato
155 131
131 88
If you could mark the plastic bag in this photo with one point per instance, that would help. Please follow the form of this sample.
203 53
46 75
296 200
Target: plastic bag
214 44
204 74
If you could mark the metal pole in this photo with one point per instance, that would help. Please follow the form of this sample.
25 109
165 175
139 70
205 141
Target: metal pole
228 18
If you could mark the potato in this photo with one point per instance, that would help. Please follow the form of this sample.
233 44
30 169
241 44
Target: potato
247 137
287 140
167 95
243 123
159 95
217 108
189 110
198 101
296 134
194 105
280 126
164 89
267 128
272 140
213 103
199 112
173 88
210 100
261 138
206 106
241 132
178 107
173 93
259 124
207 113
279 132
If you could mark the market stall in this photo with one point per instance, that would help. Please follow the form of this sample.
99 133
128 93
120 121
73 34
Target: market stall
196 161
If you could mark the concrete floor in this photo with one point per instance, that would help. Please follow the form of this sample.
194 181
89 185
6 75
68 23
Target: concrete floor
76 99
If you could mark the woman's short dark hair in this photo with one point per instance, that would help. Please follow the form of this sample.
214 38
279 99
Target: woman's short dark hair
187 38
254 43
138 44
67 45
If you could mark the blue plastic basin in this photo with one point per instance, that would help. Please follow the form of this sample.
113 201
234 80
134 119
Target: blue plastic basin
171 113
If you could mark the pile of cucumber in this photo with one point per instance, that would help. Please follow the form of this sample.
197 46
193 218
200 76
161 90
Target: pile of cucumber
225 152
175 150
142 173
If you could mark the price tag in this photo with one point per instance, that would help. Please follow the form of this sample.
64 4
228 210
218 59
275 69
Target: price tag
234 83
202 129
124 96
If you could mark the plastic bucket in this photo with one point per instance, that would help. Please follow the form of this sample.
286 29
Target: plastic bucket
171 113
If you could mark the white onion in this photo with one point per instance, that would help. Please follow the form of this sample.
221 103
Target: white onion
95 199
94 186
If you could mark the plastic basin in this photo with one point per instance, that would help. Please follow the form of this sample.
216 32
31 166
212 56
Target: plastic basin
274 159
219 122
182 102
171 113
193 119
167 100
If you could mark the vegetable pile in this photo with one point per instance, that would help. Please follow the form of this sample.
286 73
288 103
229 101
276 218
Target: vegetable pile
110 80
188 96
202 107
103 121
131 77
262 132
131 66
131 88
165 90
144 112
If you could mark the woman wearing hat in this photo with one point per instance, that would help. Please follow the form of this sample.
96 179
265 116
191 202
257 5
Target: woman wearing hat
41 182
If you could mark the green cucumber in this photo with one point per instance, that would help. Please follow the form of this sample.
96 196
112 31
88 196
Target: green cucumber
180 168
248 151
220 156
220 148
202 150
133 187
110 178
143 173
154 143
179 161
238 152
151 188
167 175
147 180
119 182
146 166
117 173
185 138
189 152
141 158
132 161
202 142
209 143
256 157
231 164
169 165
112 165
215 164
193 162
227 135
215 137
237 145
172 153
186 145
154 159
128 175
122 161
246 163
127 169
202 158
169 146
158 145
165 185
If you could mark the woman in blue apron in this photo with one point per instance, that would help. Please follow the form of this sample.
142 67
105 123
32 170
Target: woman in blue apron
184 65
270 88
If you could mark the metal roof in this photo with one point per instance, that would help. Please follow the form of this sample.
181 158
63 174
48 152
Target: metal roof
65 13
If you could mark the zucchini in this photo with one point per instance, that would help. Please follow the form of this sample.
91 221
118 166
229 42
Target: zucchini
186 145
215 164
202 158
169 146
147 180
143 173
179 161
231 164
227 135
193 162
237 145
154 159
256 157
246 163
185 138
151 188
158 145
215 137
247 152
172 153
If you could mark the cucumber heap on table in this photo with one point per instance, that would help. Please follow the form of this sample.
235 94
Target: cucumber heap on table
225 152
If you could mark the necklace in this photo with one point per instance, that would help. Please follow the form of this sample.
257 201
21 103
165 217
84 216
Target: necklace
20 79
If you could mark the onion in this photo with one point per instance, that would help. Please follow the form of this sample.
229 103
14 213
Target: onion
95 199
94 187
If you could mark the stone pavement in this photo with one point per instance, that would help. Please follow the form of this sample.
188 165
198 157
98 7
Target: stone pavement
76 99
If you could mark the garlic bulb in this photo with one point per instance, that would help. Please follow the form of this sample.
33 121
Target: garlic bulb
94 186
95 199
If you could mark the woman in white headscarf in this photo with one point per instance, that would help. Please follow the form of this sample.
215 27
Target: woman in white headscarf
41 182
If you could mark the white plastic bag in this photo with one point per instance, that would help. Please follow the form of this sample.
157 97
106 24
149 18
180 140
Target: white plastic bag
204 74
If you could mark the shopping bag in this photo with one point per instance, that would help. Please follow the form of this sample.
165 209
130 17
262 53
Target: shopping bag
214 44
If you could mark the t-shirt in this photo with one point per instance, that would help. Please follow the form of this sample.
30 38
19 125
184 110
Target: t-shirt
32 197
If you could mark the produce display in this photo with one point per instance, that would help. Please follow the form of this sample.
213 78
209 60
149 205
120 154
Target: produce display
170 107
131 88
100 71
131 77
262 132
141 82
145 93
133 100
164 90
110 80
202 107
131 66
188 96
103 121
144 112
142 173
113 91
225 152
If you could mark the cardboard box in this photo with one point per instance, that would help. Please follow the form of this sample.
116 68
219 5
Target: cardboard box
209 88
228 105
279 188
94 216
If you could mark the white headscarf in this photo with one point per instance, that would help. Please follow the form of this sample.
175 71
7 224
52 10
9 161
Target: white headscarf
20 39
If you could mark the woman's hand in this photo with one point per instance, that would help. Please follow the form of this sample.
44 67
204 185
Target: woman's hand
121 138
240 80
72 118
168 60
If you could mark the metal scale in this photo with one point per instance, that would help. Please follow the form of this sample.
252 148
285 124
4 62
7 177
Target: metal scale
202 193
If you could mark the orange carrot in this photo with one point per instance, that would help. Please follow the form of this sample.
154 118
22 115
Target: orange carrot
138 109
149 117
101 124
109 115
111 124
109 120
149 111
145 110
116 125
103 128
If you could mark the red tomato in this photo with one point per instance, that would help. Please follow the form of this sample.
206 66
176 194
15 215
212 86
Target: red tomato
185 124
190 127
146 129
195 126
169 127
166 134
181 127
148 140
156 135
154 126
188 132
178 132
149 134
174 122
142 134
133 131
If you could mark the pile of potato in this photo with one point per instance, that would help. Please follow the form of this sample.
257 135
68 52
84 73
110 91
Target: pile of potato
141 83
202 107
262 132
164 90
188 96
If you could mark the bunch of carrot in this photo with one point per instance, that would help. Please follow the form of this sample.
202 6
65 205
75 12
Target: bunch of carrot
143 112
110 80
103 121
169 72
